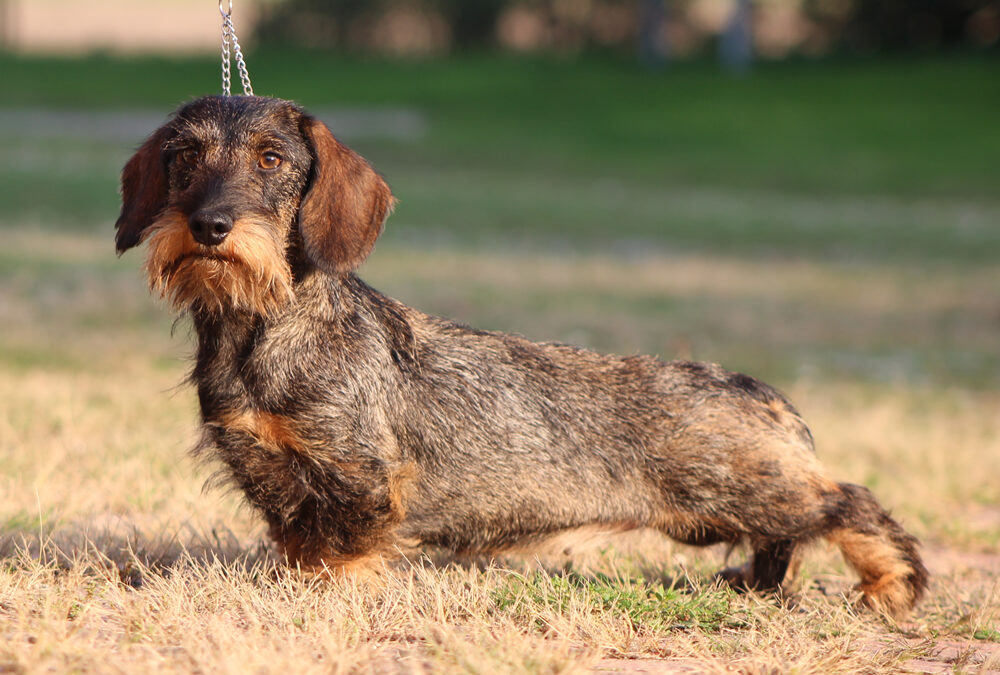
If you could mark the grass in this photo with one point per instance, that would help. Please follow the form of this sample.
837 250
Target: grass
909 126
909 145
832 228
649 607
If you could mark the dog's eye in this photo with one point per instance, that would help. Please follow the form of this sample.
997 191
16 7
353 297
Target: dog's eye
188 156
269 160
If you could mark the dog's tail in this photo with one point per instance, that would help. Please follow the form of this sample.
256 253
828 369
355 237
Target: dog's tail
893 577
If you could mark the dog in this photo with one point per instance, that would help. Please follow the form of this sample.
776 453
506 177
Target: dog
359 427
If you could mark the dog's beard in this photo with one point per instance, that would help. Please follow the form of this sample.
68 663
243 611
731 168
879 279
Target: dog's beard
246 272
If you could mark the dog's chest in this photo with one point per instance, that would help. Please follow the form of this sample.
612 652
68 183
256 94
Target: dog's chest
279 388
253 366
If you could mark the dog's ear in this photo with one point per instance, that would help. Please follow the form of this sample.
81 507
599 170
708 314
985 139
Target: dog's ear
144 190
346 203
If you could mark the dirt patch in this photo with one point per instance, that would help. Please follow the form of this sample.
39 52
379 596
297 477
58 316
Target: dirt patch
651 666
942 560
950 656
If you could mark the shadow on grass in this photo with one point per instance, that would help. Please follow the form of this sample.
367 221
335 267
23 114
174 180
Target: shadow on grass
133 554
117 549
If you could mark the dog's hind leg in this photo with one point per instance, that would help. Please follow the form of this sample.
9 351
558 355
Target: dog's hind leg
884 555
766 569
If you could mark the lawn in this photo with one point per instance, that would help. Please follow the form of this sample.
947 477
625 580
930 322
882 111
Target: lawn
831 227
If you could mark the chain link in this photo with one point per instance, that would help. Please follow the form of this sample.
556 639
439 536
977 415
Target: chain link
241 64
229 38
225 58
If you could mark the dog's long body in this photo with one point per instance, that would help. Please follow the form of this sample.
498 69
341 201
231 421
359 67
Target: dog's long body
357 425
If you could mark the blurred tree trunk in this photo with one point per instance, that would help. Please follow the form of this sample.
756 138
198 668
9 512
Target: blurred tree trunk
736 41
651 44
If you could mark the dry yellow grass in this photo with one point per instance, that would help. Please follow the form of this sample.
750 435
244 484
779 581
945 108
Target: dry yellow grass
115 560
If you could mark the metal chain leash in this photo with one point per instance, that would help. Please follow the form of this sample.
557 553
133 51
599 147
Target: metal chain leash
229 38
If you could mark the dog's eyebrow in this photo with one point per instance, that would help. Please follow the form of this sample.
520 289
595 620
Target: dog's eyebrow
275 139
186 133
179 141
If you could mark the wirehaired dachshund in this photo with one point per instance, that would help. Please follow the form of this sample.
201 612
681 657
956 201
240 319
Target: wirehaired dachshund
358 426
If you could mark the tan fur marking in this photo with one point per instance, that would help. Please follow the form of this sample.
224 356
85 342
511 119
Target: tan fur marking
365 568
780 411
883 574
246 271
329 566
273 432
402 484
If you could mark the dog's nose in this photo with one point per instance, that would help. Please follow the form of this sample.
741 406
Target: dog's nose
210 227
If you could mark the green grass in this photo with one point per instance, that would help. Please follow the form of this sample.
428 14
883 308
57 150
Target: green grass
864 159
908 126
649 606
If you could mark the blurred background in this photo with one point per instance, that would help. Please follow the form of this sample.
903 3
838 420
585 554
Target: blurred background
655 29
797 188
804 190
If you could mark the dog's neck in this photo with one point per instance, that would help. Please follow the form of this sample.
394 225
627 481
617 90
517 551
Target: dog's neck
229 341
246 359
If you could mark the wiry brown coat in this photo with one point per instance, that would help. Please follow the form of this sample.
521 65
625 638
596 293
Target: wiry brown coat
357 425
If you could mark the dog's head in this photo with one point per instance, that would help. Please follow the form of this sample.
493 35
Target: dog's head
233 193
